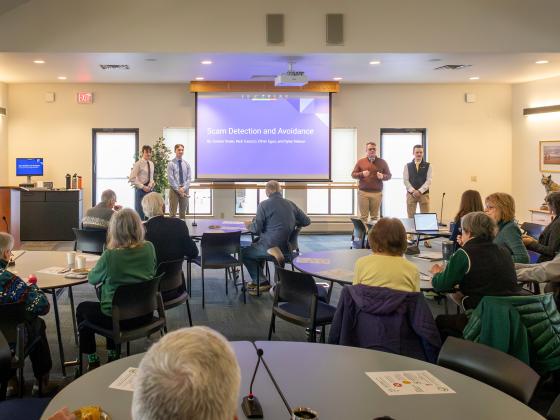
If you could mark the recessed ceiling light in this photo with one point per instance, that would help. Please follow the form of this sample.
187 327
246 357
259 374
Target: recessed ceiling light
541 62
474 78
206 62
337 78
374 62
199 78
39 61
61 77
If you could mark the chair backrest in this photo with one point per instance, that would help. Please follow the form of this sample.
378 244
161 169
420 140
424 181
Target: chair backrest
491 366
136 299
217 244
5 360
11 315
554 410
171 273
91 241
532 229
295 287
293 245
359 233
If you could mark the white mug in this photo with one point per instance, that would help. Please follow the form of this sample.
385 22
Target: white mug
71 258
80 262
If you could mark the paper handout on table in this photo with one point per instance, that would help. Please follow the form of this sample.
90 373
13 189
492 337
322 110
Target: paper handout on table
409 382
337 273
53 270
125 382
314 260
233 223
430 256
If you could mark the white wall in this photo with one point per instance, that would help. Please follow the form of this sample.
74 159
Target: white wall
527 133
239 26
3 135
464 140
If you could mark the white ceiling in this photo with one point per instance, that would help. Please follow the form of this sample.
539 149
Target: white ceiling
353 68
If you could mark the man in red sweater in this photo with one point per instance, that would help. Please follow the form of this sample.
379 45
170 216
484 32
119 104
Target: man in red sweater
370 172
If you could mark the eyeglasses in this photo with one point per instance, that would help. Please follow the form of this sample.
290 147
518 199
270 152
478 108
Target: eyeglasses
490 207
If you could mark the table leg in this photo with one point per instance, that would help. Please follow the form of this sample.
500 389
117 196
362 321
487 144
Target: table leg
58 334
73 311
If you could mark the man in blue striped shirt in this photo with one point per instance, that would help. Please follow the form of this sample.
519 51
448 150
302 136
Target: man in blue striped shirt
179 176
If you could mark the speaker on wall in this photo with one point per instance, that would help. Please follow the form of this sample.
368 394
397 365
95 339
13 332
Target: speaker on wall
335 29
275 29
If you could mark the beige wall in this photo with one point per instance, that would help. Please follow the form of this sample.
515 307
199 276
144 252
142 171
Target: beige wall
239 26
3 135
464 140
527 133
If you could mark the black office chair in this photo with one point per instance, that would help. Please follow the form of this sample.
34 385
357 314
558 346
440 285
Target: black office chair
172 286
491 366
296 301
220 250
12 327
554 410
90 240
359 234
132 301
293 247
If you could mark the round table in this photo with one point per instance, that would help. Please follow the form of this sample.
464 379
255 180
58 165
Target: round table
31 262
329 379
218 226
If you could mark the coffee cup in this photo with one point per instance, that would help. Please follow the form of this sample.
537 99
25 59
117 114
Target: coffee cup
302 413
71 258
80 262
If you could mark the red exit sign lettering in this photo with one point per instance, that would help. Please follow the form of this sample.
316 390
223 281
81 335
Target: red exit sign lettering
85 97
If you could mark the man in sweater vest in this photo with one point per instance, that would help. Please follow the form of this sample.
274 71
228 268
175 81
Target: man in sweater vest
370 172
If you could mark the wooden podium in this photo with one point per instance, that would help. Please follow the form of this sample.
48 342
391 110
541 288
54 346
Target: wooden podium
10 213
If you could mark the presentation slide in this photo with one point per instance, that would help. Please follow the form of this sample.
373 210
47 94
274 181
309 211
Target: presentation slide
262 136
29 166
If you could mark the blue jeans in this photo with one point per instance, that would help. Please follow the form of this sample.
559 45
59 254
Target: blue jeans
251 255
138 196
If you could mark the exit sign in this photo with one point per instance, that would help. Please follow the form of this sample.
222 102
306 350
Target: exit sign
85 97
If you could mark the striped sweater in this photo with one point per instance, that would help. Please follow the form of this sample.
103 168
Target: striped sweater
14 290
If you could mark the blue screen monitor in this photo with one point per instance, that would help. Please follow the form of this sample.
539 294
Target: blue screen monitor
29 166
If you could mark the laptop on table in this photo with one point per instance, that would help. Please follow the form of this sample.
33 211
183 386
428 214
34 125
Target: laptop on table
426 223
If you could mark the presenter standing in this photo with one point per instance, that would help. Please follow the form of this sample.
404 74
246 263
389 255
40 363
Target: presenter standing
370 172
142 177
179 176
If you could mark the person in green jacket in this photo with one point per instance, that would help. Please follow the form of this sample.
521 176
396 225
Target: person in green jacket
501 208
127 259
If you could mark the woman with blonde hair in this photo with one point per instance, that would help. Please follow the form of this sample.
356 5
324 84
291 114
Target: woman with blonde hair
128 259
501 208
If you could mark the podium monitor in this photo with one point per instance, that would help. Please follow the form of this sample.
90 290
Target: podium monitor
29 167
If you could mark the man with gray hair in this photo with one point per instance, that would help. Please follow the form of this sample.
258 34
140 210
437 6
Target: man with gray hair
14 290
98 217
191 373
274 222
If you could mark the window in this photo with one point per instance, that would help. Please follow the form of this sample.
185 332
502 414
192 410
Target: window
185 136
326 200
396 149
114 151
247 199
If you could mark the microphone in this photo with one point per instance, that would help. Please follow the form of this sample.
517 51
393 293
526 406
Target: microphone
250 405
441 212
194 212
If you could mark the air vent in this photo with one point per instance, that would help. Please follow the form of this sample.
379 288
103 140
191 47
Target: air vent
263 77
453 67
114 66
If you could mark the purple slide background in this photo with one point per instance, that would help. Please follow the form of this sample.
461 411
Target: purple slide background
255 161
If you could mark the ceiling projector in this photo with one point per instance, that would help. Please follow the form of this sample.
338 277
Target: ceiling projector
291 78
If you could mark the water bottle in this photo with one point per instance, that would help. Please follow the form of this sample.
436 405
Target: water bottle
68 178
74 181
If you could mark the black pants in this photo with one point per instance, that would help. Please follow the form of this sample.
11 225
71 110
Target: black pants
40 354
91 311
451 325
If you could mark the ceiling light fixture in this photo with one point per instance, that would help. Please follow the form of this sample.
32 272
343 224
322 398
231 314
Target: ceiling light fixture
39 61
199 78
375 62
62 77
541 110
474 78
206 62
337 78
541 62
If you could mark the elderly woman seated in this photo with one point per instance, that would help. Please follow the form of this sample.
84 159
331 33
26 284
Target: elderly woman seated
386 266
548 243
481 268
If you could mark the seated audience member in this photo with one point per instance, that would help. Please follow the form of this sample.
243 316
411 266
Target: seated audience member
169 235
127 259
501 208
387 267
542 272
548 243
470 201
191 373
274 222
480 268
98 217
14 290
